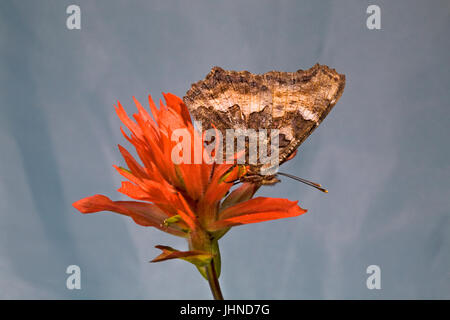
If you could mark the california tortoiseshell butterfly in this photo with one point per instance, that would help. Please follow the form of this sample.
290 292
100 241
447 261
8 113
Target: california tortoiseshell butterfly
295 103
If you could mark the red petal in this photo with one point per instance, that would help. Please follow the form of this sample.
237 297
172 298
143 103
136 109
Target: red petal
178 105
142 112
220 183
156 192
186 213
133 127
243 193
256 210
153 108
144 214
134 191
132 164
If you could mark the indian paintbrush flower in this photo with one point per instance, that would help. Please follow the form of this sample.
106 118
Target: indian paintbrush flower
189 200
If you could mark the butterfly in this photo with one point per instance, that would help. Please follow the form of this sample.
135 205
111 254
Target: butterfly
292 104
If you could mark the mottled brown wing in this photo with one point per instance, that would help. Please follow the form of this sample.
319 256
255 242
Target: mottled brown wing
293 102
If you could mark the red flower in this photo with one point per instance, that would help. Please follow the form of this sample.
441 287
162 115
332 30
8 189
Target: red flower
188 200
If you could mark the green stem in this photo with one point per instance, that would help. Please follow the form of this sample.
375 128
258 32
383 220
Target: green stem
213 281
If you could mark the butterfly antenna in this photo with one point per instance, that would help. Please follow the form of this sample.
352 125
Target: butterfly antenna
309 183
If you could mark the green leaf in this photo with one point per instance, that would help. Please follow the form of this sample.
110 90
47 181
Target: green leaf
196 257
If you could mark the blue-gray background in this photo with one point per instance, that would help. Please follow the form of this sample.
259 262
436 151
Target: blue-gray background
383 152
